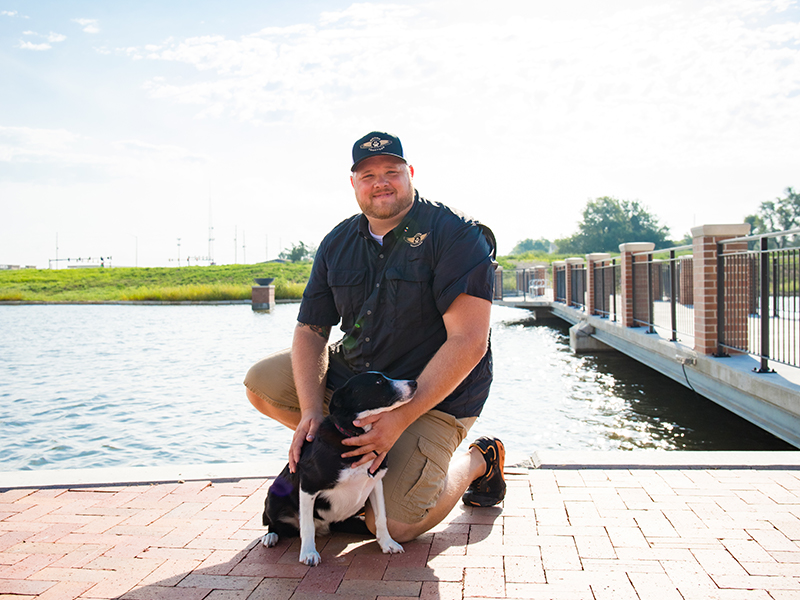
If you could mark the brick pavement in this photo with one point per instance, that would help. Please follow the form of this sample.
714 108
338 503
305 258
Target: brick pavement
571 534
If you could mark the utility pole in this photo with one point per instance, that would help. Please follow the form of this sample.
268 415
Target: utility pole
179 252
210 234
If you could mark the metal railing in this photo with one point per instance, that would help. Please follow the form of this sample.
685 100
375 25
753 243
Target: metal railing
758 295
528 283
560 285
669 304
577 275
606 289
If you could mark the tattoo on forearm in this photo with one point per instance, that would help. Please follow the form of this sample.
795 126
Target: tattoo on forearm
323 331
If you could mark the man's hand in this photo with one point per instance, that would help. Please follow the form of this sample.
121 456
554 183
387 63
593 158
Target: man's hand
305 432
376 443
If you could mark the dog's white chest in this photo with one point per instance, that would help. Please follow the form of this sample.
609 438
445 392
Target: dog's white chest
350 493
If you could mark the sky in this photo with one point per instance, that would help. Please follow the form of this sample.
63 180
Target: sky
150 131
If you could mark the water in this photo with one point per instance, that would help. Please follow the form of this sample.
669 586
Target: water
103 386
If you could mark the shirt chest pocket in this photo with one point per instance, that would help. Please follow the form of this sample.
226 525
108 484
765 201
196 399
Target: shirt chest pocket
409 301
349 293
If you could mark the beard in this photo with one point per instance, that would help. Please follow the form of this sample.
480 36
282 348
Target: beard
382 210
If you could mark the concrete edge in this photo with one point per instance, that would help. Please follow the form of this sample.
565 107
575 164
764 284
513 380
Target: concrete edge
663 459
541 459
118 476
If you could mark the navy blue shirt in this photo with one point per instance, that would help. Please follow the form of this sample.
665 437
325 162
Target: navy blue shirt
390 298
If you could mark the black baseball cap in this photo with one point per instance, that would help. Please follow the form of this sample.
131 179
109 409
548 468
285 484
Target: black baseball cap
375 143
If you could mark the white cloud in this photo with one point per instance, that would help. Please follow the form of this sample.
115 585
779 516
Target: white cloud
88 25
61 147
8 13
27 144
31 46
650 71
52 38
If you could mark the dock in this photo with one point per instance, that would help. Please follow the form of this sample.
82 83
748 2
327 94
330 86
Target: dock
722 321
768 400
573 526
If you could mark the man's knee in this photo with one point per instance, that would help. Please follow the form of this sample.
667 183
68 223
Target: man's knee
286 417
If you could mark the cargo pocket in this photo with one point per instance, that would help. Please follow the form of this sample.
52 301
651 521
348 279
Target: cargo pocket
425 472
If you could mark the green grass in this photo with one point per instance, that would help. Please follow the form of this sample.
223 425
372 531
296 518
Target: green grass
214 283
177 284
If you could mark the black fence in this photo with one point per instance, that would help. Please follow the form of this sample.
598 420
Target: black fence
606 289
758 294
669 305
759 298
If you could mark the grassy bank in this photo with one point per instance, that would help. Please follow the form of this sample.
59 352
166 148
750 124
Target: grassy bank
220 282
214 283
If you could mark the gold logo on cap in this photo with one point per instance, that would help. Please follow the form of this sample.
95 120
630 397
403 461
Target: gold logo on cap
416 240
375 144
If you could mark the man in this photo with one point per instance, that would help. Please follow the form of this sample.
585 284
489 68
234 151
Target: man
411 282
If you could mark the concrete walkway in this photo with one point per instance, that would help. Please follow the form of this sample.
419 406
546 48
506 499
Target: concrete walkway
613 526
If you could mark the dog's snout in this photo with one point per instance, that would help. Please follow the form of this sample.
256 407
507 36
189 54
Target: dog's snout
407 388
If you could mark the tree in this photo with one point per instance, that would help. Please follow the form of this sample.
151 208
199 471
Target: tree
608 222
781 214
298 252
529 245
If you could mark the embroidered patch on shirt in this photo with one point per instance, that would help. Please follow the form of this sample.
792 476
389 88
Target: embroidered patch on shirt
415 241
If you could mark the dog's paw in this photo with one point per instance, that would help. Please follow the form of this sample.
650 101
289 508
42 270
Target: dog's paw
389 546
312 558
269 539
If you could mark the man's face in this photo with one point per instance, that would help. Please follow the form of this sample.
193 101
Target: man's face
383 186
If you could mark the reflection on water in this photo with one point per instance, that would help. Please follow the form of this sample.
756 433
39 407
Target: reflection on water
90 386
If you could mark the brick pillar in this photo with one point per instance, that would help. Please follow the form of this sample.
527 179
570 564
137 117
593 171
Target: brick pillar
705 239
539 277
572 264
594 260
263 297
633 290
686 280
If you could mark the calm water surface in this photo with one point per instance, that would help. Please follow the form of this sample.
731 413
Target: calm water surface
102 386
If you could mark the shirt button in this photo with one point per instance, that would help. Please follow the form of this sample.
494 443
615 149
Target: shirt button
380 255
366 365
366 339
377 285
369 312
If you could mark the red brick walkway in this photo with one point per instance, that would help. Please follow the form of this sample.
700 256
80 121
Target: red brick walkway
579 533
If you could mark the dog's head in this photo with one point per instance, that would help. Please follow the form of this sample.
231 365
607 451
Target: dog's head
369 393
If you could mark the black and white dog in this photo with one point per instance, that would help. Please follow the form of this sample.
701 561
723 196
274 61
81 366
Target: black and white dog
325 489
